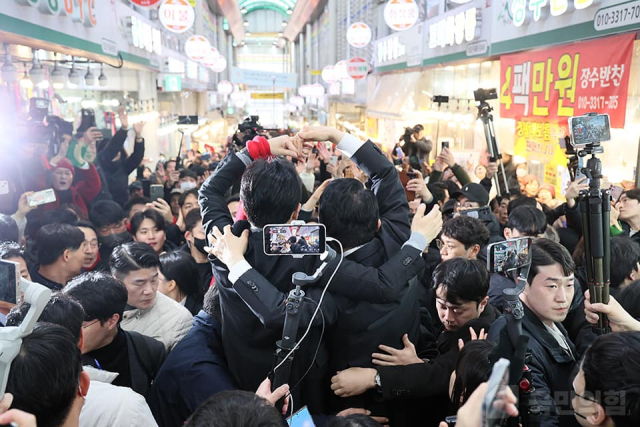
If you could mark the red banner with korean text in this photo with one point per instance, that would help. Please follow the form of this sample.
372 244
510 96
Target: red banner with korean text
556 83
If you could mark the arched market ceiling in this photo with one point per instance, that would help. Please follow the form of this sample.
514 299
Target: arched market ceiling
278 5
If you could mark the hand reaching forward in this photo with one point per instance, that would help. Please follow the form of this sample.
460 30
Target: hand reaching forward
394 357
228 248
264 391
427 225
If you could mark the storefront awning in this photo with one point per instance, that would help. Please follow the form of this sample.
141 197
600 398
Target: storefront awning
394 95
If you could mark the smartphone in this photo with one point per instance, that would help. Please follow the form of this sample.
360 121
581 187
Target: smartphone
399 152
579 174
10 289
296 240
589 129
412 175
494 401
451 421
156 191
509 255
333 160
616 191
88 120
4 188
41 197
483 213
404 179
445 144
302 418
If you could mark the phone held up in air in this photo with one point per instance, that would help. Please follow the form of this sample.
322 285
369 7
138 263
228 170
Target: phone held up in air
445 144
509 255
302 418
294 240
589 129
10 289
494 401
156 191
483 213
41 197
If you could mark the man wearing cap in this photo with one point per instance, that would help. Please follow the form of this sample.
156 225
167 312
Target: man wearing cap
475 196
135 190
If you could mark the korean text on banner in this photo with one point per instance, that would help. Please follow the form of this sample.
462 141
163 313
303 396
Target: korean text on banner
570 80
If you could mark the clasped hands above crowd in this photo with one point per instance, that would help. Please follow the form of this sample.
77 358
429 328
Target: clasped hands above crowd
297 146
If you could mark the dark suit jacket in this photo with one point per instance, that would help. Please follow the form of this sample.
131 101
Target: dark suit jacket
253 309
146 356
195 370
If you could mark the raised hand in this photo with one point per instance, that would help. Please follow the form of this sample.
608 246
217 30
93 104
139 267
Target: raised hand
124 117
428 225
264 391
320 133
394 357
228 248
137 128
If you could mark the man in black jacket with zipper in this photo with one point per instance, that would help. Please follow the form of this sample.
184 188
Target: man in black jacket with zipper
252 288
546 300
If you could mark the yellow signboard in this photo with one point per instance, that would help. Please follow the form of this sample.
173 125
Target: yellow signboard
316 72
279 95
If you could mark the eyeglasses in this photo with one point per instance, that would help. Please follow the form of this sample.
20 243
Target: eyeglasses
86 326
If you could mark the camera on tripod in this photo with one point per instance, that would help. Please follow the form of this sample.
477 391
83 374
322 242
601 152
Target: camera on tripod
43 127
482 95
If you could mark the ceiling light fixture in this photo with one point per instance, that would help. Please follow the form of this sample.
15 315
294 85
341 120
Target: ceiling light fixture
102 79
9 70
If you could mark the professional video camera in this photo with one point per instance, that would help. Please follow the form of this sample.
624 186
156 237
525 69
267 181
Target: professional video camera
247 130
484 113
45 128
587 132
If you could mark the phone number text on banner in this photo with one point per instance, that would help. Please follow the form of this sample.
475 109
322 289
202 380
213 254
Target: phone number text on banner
566 81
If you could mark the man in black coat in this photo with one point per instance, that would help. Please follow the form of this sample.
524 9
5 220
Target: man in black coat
251 290
115 162
461 302
136 358
546 301
474 196
195 370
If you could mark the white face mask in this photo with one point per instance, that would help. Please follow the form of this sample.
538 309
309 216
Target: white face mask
187 185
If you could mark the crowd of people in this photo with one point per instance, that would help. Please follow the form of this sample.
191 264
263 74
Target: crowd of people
167 312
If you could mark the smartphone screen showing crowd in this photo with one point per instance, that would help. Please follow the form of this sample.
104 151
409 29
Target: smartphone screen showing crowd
509 255
41 197
296 240
589 129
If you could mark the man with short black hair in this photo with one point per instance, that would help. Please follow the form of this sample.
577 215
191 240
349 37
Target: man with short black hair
111 224
134 357
474 196
9 231
188 200
106 405
236 409
46 377
546 301
525 221
625 262
461 301
464 237
629 213
148 312
188 180
605 389
135 205
60 249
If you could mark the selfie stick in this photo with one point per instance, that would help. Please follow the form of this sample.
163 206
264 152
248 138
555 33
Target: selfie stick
11 336
288 345
595 208
484 114
530 410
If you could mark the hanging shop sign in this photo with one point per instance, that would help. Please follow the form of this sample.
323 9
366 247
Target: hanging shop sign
172 84
145 36
539 10
266 95
219 64
177 16
341 71
357 68
225 87
329 74
210 57
79 10
145 3
263 78
196 47
400 15
566 81
463 27
359 34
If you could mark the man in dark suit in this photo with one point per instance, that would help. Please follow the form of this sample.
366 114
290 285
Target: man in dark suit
462 304
252 287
